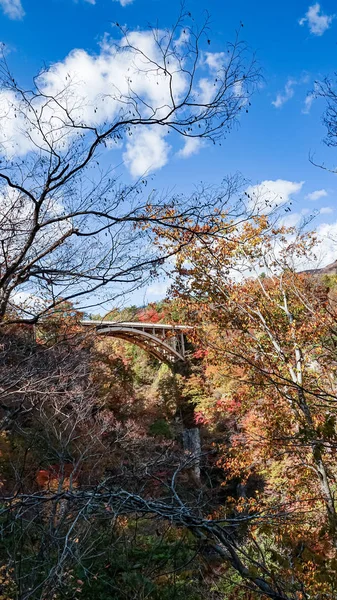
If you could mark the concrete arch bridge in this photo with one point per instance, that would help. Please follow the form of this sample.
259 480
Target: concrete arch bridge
165 342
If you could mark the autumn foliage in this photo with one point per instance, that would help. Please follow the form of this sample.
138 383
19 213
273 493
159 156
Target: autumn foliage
267 345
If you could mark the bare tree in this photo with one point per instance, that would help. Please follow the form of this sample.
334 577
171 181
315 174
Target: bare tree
58 435
68 227
326 89
86 509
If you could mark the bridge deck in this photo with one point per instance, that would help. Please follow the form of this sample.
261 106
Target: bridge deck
137 325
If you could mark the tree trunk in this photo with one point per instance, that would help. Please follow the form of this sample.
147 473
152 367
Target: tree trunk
320 467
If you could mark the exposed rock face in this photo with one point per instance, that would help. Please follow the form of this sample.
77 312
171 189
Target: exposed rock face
192 445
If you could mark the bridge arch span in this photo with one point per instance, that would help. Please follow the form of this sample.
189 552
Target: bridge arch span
165 342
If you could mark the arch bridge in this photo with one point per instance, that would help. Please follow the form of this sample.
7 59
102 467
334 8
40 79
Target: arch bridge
165 342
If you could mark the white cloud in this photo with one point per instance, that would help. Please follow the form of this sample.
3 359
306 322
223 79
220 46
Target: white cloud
272 193
317 23
291 219
184 37
148 151
13 9
207 85
311 96
102 83
28 302
13 123
206 90
316 195
191 146
327 249
296 219
17 218
326 210
287 94
158 289
96 89
215 60
308 103
123 2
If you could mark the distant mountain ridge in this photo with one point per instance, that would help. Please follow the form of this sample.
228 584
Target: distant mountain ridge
330 269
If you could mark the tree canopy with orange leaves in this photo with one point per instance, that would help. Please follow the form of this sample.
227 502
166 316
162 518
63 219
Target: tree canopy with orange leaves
266 334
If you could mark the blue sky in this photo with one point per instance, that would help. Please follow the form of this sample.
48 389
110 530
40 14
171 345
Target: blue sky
296 44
